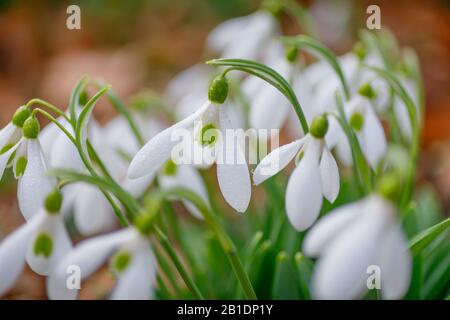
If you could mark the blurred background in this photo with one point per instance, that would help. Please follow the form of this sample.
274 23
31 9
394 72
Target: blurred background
136 45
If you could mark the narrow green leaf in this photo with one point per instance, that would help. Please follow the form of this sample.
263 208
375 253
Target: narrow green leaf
421 241
75 97
283 285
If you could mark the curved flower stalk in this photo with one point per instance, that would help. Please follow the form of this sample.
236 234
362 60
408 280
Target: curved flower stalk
244 37
316 175
352 239
21 149
132 262
42 242
234 177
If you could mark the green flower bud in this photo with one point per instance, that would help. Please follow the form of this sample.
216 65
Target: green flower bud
218 90
170 168
291 53
43 245
367 91
31 128
356 121
21 114
319 126
83 98
21 165
120 261
53 201
359 49
389 186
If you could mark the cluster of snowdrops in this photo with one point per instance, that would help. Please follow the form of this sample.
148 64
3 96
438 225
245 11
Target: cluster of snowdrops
317 234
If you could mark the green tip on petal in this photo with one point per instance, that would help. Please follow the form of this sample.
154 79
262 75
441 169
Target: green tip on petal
208 135
319 126
43 245
389 186
31 128
121 261
83 98
359 49
367 91
20 116
170 168
218 90
291 53
356 121
53 202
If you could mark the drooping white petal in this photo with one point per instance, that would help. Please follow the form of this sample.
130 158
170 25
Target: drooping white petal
222 35
341 272
395 264
4 158
187 177
34 185
276 161
52 226
329 173
304 191
10 134
374 143
158 150
12 253
328 227
136 281
92 212
344 152
88 256
64 154
232 170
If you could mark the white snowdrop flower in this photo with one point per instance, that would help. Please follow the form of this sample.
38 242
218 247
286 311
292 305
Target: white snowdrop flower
233 175
369 132
243 37
41 242
352 238
315 176
132 262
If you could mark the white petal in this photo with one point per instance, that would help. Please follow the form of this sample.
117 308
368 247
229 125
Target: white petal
88 256
329 173
137 187
135 283
54 227
9 134
12 253
395 264
226 32
232 170
193 79
341 272
269 109
158 150
304 191
374 145
64 154
325 231
187 177
4 158
34 185
92 212
276 161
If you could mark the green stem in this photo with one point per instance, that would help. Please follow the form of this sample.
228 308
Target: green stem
49 106
164 241
226 243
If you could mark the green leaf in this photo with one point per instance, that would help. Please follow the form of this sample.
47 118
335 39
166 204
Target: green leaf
424 239
318 49
283 285
304 270
75 98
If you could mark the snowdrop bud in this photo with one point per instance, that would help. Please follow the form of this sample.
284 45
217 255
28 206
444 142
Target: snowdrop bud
367 91
319 126
389 186
356 121
218 90
31 128
21 114
53 202
291 53
359 49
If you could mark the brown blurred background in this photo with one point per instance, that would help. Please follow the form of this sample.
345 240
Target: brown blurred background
141 44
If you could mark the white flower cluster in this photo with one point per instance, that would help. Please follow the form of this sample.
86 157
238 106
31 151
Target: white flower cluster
346 241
